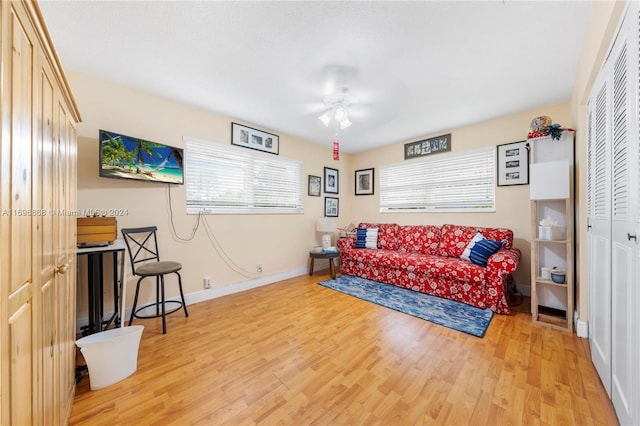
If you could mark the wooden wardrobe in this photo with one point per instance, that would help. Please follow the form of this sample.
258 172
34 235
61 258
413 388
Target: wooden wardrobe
37 224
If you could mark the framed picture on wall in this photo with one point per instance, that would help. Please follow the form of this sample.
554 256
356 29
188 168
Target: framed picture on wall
330 180
331 206
513 164
429 146
249 137
314 186
364 182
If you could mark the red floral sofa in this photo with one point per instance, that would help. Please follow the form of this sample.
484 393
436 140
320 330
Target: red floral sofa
426 258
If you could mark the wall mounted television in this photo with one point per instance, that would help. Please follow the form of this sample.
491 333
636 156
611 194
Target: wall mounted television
126 157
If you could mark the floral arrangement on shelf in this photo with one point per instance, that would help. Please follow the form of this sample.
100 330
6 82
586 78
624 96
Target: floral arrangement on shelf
543 126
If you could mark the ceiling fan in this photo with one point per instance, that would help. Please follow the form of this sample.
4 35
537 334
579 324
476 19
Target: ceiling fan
348 101
337 109
336 99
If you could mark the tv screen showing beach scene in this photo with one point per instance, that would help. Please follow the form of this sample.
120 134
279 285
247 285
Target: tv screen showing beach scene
126 157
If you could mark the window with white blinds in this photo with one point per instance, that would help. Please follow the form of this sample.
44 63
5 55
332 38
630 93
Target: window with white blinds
225 179
463 182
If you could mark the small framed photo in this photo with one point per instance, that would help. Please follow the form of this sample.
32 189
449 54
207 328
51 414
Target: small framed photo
513 164
330 180
314 186
331 206
249 137
364 182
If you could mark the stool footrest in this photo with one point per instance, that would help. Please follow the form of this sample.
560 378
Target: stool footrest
154 304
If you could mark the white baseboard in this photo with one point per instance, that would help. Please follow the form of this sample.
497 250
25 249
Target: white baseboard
215 292
212 293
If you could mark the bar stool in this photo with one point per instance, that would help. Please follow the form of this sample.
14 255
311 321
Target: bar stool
142 245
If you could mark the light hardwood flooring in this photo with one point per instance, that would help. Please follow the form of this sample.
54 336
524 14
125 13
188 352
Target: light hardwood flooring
296 353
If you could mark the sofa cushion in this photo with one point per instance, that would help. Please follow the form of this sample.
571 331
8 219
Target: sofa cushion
374 257
429 265
479 250
387 234
454 238
423 239
367 238
441 267
453 268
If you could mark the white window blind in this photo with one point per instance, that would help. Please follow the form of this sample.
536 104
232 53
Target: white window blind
463 182
225 179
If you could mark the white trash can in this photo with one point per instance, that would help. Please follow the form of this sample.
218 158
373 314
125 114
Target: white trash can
111 355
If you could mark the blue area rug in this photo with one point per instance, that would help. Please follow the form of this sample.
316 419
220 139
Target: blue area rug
449 313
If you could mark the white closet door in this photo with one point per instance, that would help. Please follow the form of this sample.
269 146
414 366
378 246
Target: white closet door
599 233
623 59
613 191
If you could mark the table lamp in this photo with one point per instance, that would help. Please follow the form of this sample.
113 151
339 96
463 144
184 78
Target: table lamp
328 225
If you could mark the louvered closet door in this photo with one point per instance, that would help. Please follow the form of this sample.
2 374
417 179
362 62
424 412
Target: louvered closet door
613 184
599 233
624 143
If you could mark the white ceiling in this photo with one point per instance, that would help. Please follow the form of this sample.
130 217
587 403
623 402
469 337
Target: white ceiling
413 68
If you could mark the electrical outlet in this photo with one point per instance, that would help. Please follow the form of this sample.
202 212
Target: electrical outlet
208 282
259 268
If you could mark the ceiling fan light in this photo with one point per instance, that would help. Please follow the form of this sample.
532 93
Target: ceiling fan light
341 114
345 123
325 119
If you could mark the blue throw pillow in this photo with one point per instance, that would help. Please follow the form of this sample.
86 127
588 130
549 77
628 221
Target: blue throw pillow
479 250
361 237
367 238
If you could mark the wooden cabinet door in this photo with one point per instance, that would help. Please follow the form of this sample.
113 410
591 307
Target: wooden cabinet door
64 179
55 194
18 292
48 281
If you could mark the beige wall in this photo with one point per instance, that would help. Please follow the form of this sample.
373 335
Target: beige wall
280 243
601 28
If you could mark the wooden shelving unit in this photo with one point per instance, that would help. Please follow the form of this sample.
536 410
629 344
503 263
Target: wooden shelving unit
552 195
551 302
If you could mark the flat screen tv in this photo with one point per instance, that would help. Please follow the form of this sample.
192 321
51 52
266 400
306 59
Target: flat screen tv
126 157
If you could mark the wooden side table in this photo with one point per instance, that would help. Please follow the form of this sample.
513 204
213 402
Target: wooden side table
321 255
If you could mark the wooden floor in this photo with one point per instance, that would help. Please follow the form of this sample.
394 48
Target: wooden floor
298 353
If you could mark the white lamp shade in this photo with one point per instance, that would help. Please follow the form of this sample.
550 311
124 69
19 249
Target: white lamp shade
326 224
